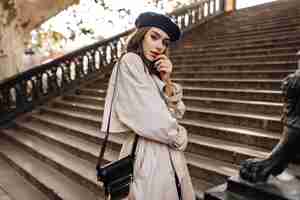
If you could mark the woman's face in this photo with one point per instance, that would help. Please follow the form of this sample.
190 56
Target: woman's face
155 43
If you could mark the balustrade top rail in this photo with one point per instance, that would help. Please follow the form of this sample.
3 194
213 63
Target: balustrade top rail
24 91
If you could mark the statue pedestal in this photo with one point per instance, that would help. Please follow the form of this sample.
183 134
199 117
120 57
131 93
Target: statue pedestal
282 187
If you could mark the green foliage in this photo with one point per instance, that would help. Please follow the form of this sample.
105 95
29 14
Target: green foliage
87 31
47 40
102 3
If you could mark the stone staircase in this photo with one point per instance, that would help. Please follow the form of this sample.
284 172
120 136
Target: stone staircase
231 70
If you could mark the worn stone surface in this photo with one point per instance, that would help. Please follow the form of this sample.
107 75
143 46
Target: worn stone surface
4 195
13 186
284 187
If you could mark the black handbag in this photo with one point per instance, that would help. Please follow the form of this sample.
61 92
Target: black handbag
118 175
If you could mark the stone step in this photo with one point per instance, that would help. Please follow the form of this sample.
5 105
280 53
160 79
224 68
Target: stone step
76 145
85 131
83 98
227 33
247 136
77 106
221 150
100 108
87 150
264 43
260 84
223 60
235 66
71 125
241 24
50 180
280 74
64 121
265 122
269 122
77 169
191 126
279 8
210 170
232 70
245 43
194 51
84 147
203 139
259 11
256 137
251 107
287 42
238 94
224 33
262 12
77 116
254 107
185 54
192 113
13 186
98 85
224 29
290 32
91 92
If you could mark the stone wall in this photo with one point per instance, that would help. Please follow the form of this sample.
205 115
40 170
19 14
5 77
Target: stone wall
12 38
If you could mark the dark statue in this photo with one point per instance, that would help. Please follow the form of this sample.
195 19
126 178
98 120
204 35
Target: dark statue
258 170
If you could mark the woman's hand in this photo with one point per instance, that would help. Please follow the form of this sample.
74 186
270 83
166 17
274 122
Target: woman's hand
164 66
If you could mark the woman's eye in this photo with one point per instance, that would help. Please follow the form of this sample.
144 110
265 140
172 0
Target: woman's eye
154 37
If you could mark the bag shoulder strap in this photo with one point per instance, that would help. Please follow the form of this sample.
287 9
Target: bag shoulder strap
177 181
104 143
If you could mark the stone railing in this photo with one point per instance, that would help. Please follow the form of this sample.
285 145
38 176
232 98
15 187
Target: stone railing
31 88
196 13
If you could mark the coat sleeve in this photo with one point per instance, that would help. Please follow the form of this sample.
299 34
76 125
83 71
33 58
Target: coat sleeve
140 107
175 103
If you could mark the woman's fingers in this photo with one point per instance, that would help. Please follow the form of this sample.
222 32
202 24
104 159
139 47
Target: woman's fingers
165 64
162 57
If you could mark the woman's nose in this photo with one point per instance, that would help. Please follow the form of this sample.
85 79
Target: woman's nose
160 47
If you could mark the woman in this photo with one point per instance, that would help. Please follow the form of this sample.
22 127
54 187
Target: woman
147 103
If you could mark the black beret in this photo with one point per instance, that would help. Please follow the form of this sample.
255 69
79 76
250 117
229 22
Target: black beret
163 22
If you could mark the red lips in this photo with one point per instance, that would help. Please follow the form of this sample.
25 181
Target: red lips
155 54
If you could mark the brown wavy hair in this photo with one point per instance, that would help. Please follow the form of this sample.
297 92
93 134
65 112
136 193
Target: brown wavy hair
135 45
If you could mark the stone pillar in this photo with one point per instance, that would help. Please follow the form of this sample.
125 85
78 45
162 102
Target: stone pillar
230 5
12 39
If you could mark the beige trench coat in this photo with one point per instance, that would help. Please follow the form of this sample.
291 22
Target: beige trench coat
139 108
